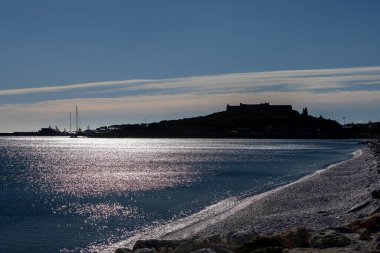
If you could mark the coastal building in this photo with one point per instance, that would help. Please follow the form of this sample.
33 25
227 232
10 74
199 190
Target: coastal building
263 108
49 131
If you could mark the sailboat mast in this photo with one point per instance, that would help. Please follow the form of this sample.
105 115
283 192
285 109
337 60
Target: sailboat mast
76 117
70 122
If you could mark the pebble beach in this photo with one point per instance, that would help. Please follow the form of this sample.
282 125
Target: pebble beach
333 210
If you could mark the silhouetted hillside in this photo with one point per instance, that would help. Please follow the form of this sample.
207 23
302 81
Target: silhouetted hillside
242 121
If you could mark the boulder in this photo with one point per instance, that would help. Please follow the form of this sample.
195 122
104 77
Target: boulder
375 244
269 250
187 247
191 246
330 250
371 223
261 244
298 237
364 234
145 250
220 248
123 250
359 206
377 210
156 244
204 250
344 230
165 250
329 239
375 194
238 238
217 238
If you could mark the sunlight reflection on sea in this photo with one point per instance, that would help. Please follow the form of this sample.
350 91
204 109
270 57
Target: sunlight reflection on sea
80 195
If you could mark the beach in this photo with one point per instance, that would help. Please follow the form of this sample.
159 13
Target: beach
327 198
331 198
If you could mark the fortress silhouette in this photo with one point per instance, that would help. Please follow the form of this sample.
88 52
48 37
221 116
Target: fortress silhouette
260 108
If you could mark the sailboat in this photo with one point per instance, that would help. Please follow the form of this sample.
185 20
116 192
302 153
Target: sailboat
75 135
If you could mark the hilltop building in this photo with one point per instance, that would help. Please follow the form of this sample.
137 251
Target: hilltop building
263 108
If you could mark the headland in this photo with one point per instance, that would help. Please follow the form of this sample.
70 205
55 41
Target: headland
236 121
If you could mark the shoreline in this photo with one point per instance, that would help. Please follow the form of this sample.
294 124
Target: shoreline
267 211
232 211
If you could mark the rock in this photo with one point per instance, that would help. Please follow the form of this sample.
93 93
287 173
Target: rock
375 245
187 247
156 244
123 250
375 194
191 246
220 248
298 237
329 239
344 230
165 250
377 210
371 223
330 250
363 234
261 243
214 238
204 250
269 250
145 250
359 206
238 238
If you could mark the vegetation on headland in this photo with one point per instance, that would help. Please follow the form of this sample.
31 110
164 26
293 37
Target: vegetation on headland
242 121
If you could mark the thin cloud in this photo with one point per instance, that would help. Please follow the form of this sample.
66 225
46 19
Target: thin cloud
167 103
353 92
295 80
68 87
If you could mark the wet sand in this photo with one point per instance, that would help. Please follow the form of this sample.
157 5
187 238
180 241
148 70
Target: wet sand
327 198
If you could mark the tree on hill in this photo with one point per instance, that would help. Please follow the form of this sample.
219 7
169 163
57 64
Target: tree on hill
305 113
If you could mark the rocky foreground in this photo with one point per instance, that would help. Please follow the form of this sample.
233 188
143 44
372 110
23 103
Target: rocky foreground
360 234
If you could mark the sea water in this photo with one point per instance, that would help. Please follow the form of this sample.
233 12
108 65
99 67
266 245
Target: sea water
84 195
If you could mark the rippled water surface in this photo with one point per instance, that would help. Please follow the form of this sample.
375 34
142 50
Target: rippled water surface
81 195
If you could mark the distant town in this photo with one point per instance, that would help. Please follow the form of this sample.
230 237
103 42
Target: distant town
237 121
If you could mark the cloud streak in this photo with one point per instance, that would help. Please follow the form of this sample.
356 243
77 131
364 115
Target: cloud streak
68 87
353 92
294 80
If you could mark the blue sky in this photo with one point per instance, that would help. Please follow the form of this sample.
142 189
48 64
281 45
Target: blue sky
127 61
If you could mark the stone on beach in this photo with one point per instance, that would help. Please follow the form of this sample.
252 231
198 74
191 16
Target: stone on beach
145 250
375 244
261 243
329 239
191 246
238 238
204 250
375 194
370 223
359 206
156 244
297 237
123 250
217 238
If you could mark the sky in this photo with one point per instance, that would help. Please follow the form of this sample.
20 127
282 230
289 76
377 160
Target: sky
126 61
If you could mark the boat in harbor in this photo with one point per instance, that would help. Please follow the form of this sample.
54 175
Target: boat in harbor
77 124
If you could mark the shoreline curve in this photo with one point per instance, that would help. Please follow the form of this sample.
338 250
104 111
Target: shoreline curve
210 220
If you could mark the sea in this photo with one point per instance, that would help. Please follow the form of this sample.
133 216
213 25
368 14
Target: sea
91 195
